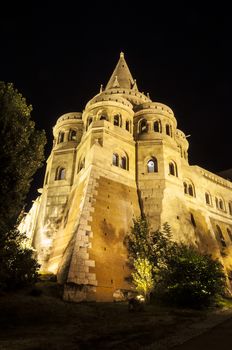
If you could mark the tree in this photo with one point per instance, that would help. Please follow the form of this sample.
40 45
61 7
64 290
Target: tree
143 277
21 154
190 278
145 243
17 265
148 251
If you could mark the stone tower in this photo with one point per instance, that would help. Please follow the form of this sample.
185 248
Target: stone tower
122 156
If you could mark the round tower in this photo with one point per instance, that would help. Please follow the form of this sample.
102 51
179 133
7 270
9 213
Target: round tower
67 135
57 182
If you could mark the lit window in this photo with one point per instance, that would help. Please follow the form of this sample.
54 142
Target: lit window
152 165
72 135
143 126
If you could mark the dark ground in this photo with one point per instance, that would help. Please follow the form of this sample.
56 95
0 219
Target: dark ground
219 337
46 322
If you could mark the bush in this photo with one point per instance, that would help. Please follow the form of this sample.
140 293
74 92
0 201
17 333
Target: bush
18 268
191 279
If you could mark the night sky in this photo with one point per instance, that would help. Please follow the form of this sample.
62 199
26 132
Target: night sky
58 58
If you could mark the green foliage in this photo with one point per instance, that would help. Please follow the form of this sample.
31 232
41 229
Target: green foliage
142 242
142 277
17 265
190 278
137 241
21 154
178 273
148 252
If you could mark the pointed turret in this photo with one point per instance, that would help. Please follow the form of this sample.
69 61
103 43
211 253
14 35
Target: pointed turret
121 76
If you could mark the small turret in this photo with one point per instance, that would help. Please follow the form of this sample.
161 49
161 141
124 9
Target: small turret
68 130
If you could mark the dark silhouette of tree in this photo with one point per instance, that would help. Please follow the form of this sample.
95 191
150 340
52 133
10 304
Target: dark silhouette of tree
21 154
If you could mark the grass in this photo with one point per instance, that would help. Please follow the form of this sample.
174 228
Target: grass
44 322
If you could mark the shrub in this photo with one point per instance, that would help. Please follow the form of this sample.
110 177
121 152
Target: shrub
191 279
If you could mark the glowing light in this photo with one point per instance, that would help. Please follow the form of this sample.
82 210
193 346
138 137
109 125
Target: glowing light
46 242
140 297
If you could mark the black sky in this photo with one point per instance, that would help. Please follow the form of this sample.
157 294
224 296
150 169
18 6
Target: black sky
58 60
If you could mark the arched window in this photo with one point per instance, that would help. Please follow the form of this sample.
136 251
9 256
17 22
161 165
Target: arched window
221 204
168 130
157 126
229 234
185 188
115 159
72 136
173 169
152 165
61 137
220 236
207 198
60 174
143 126
123 163
46 178
127 125
190 190
103 117
117 120
230 207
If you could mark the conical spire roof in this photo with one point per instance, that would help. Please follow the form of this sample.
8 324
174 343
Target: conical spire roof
121 76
